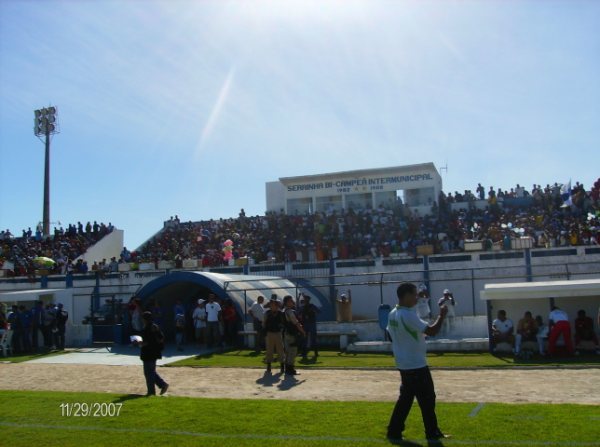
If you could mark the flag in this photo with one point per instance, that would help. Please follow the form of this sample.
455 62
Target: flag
565 194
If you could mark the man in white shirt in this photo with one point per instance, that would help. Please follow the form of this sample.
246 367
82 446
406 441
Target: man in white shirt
213 317
558 320
257 312
407 332
199 317
423 309
502 330
447 300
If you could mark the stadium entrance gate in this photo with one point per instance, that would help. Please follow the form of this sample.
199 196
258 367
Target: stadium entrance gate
189 286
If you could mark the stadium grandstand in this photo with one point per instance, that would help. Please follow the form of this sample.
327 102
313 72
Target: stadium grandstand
543 217
553 216
63 247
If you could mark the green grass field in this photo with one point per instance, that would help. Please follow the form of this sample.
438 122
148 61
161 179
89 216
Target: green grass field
34 418
334 359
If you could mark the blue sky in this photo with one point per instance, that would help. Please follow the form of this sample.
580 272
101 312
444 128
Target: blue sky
189 107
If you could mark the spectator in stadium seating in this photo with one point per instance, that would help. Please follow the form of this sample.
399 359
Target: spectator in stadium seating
308 317
407 332
257 312
152 345
526 331
199 318
273 322
344 307
584 330
62 317
113 266
292 334
502 330
559 325
213 318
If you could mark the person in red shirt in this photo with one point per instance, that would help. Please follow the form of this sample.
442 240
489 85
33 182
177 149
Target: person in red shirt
230 322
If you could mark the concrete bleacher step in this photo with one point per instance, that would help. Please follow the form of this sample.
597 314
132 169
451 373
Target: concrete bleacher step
433 345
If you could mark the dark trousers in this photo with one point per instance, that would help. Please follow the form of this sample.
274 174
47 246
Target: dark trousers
35 333
152 377
310 341
213 334
260 334
415 383
59 338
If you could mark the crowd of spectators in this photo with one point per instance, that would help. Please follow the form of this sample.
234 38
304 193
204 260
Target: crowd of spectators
63 247
547 215
550 216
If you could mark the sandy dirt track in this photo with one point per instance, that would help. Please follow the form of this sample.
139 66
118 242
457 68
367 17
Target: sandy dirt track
543 386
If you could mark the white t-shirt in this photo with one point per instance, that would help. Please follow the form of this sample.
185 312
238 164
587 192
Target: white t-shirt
258 311
212 312
558 315
503 326
199 317
423 309
408 341
449 304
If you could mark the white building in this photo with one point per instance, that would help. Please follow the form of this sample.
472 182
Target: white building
417 186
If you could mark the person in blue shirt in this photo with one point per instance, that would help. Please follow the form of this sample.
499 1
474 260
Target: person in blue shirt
407 332
37 323
24 317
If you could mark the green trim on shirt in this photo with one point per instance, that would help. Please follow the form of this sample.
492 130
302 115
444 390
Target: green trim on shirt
413 334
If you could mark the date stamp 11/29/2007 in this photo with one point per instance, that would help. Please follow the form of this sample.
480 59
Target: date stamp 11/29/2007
90 409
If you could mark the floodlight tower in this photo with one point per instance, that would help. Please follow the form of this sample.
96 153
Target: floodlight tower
46 124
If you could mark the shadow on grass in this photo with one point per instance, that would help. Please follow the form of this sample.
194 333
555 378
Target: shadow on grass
309 361
126 397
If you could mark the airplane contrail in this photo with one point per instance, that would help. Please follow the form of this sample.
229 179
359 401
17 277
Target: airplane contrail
217 108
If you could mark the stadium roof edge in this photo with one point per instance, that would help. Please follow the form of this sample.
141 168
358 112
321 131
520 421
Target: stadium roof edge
360 172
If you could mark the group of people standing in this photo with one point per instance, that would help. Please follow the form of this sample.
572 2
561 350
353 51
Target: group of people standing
26 325
281 329
212 322
423 307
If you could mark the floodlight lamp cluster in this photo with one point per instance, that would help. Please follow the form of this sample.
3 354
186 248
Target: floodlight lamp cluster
45 122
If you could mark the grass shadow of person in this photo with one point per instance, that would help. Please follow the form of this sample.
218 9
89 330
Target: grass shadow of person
404 442
308 360
126 397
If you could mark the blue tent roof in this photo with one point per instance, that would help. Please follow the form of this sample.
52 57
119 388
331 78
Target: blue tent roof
242 289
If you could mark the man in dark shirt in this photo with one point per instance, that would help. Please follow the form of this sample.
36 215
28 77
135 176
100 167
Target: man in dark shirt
61 322
308 316
152 345
37 323
584 329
